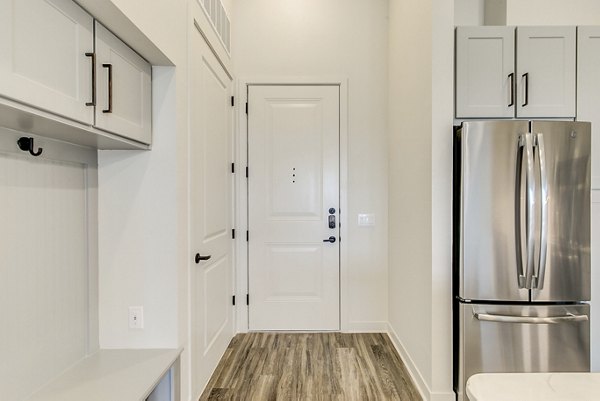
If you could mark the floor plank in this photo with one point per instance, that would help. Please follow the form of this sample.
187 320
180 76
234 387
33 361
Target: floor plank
310 367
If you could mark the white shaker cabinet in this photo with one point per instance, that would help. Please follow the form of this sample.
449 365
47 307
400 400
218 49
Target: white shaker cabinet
43 62
123 85
533 79
588 90
485 63
546 68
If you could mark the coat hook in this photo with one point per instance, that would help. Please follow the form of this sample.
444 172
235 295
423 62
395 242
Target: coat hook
26 145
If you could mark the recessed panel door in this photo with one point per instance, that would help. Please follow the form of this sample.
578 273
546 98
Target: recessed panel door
294 244
211 259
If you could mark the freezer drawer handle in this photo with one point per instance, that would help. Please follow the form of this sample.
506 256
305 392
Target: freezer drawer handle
569 317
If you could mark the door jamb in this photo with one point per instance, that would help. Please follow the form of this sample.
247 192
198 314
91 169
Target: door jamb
241 188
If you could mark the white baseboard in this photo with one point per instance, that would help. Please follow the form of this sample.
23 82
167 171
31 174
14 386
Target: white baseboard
365 327
415 374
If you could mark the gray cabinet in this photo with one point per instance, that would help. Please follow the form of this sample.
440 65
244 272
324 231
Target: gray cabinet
534 78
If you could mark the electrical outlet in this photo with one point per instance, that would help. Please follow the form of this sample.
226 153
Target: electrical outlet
136 317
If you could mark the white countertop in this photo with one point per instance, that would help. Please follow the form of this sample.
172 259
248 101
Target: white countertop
115 375
534 387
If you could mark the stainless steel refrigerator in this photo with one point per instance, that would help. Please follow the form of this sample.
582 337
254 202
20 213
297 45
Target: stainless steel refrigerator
521 248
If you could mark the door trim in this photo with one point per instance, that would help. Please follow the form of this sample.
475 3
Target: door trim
241 187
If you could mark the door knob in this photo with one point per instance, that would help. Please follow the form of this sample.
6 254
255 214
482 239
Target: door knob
200 257
330 239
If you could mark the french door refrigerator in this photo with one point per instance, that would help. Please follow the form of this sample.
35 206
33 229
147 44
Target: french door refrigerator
521 248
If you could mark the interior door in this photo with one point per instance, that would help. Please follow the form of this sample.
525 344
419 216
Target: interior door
211 211
565 275
293 184
43 44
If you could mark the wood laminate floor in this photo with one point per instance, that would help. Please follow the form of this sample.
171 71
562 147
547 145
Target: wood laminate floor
310 366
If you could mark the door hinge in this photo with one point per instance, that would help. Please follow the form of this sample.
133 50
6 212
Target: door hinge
233 233
232 168
247 236
247 299
232 101
246 172
246 107
233 300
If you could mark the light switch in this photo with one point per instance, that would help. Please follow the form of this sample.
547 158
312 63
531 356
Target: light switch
365 220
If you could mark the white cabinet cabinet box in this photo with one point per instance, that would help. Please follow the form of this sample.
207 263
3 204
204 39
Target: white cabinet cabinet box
43 44
588 90
60 79
123 87
534 79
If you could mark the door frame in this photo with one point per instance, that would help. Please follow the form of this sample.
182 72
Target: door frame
241 187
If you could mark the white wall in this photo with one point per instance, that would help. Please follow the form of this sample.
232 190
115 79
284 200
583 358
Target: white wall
143 204
552 12
420 129
313 38
468 12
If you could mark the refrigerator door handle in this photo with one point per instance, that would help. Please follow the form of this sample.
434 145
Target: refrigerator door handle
539 278
530 209
569 317
518 220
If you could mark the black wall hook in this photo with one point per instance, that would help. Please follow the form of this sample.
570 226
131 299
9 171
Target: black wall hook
26 145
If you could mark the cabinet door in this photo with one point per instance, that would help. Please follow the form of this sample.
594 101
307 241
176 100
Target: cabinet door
484 72
123 81
588 89
546 59
43 44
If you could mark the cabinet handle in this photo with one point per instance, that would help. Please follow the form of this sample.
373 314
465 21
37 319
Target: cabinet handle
109 66
511 77
93 56
526 76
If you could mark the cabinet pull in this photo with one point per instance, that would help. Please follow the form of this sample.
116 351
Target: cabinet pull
109 66
93 56
511 77
526 77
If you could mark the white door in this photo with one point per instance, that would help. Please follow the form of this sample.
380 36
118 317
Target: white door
588 89
43 62
124 85
485 66
211 211
293 184
546 60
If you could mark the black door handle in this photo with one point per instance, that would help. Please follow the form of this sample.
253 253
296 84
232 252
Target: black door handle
330 239
200 257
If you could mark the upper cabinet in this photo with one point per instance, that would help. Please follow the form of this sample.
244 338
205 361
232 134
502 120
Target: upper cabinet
546 68
588 89
43 44
63 75
485 63
496 79
123 87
